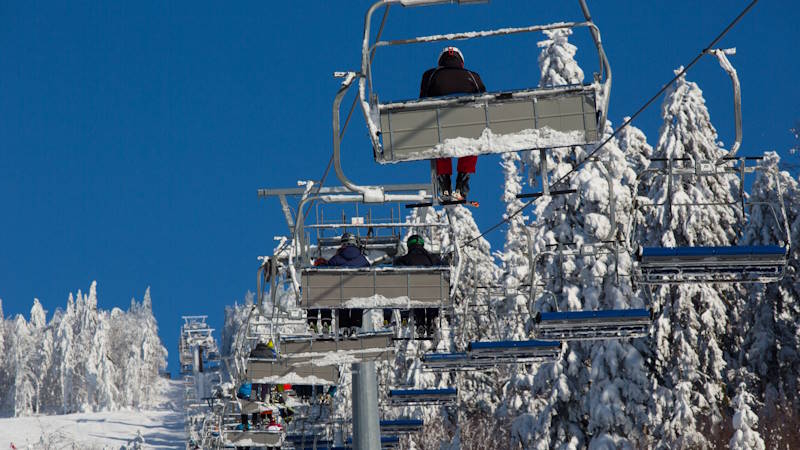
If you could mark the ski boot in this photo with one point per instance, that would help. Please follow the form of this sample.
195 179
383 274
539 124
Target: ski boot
444 187
462 187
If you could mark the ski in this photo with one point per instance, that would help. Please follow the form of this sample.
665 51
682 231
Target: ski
472 204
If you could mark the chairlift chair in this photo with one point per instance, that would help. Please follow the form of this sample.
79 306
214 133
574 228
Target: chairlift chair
585 325
717 264
514 351
446 361
535 118
591 325
406 397
401 426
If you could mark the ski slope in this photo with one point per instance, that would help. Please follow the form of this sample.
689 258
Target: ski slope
159 427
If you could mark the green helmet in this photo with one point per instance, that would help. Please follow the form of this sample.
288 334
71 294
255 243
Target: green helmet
415 239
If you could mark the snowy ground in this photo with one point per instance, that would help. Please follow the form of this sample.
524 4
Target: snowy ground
160 427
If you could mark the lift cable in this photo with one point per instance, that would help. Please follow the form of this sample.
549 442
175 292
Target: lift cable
647 104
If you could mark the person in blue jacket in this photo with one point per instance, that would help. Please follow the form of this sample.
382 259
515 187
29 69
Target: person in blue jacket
348 255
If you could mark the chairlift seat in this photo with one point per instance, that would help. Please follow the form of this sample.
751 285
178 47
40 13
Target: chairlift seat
401 397
514 351
401 425
543 118
589 325
294 371
364 347
445 361
698 264
254 438
378 287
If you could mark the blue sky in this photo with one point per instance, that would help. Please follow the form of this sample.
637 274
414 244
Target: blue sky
133 135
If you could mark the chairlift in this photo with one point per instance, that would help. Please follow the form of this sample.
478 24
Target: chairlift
717 264
590 325
407 397
585 325
514 351
512 120
446 361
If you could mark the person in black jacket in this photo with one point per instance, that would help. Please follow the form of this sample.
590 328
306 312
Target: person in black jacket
424 318
450 77
417 255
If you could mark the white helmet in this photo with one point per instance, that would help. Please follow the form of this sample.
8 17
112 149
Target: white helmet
450 51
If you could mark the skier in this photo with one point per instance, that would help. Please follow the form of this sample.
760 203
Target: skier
264 351
417 255
348 255
450 77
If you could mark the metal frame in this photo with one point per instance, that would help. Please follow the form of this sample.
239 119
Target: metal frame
369 99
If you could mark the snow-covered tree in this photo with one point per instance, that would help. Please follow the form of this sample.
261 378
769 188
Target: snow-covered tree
82 359
771 327
691 319
24 377
745 421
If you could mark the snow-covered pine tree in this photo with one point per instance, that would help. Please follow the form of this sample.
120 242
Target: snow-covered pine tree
66 357
771 327
101 370
153 354
633 144
691 319
556 401
41 353
745 422
24 378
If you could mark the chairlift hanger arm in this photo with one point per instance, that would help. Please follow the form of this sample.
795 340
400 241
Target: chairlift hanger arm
737 97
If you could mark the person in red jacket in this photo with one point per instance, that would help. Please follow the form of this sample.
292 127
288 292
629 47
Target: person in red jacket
450 77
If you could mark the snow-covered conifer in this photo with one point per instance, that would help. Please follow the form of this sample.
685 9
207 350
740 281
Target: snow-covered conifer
771 335
745 421
691 319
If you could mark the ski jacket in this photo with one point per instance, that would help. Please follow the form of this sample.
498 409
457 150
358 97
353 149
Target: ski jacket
418 256
450 77
348 256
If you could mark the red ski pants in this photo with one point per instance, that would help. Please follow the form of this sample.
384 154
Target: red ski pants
466 164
